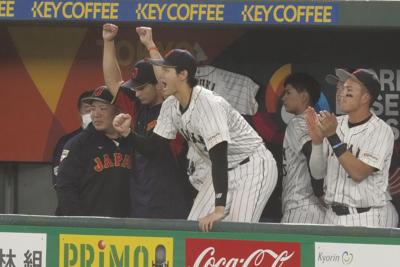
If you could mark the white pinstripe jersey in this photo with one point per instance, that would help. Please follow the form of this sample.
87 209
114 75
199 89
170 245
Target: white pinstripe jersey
239 90
372 143
208 120
199 168
296 184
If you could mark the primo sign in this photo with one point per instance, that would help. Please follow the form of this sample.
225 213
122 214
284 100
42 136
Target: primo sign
117 251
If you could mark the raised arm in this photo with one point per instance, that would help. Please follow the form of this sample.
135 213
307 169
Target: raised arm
146 37
111 70
146 145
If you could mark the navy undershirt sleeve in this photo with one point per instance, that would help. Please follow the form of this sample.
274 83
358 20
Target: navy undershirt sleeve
219 168
317 184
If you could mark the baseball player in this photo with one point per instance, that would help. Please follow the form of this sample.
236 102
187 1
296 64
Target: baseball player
359 148
159 187
300 203
239 91
243 171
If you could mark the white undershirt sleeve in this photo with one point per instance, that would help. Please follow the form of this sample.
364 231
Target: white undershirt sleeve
318 161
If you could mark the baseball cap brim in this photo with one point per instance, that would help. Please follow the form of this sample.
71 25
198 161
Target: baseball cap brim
160 62
331 79
90 99
133 85
343 75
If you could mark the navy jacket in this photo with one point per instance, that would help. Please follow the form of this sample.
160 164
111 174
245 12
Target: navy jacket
93 176
159 185
58 150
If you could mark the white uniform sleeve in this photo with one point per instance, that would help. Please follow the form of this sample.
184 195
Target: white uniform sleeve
378 148
252 102
165 126
297 134
318 160
214 123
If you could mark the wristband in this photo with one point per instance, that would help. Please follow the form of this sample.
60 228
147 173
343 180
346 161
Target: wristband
152 48
220 199
340 149
334 140
337 145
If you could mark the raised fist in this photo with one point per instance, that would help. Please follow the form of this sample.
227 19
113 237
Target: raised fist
122 124
146 36
109 31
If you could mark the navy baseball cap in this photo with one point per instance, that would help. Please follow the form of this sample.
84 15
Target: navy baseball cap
142 74
101 94
82 97
365 77
177 58
333 79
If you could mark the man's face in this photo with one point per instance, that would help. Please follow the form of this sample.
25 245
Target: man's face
84 108
169 80
293 100
147 94
352 97
102 115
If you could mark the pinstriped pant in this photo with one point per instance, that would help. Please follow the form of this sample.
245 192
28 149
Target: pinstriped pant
249 188
310 214
384 217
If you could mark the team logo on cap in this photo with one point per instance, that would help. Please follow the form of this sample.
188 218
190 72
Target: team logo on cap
135 72
98 91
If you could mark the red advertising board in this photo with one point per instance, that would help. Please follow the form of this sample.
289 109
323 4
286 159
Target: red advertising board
241 253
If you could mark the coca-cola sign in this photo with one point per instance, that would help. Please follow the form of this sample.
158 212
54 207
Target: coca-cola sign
241 253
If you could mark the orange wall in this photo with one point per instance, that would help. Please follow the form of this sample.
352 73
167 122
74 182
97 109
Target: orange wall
43 70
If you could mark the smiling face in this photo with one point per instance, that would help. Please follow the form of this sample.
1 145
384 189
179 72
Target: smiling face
102 115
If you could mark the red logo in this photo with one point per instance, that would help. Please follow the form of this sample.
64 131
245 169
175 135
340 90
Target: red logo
241 253
135 73
99 91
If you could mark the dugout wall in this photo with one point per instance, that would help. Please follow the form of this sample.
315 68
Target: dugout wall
51 52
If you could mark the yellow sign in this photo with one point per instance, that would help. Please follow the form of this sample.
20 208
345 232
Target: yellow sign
117 251
180 12
295 13
75 10
7 9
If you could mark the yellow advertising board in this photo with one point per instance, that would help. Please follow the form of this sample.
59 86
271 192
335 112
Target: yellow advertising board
114 251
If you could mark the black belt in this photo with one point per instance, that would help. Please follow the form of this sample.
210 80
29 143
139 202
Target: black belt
240 163
343 210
